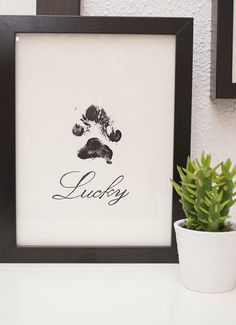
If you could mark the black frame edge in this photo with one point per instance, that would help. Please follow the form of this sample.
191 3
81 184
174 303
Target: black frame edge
182 144
58 7
7 141
222 41
90 255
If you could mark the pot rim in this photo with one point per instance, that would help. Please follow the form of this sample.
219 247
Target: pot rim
211 233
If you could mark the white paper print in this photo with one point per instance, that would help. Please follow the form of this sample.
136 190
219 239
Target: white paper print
94 139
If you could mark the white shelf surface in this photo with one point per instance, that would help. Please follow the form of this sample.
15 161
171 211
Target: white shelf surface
114 294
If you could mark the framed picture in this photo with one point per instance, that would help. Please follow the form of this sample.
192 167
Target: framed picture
95 115
224 49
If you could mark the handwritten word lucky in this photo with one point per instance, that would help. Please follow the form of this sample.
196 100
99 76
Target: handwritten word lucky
82 188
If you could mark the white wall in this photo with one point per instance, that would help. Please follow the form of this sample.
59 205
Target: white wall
17 7
213 123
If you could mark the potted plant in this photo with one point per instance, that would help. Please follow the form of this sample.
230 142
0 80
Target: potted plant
206 239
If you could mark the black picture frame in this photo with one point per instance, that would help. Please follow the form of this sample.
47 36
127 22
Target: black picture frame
9 26
58 7
222 85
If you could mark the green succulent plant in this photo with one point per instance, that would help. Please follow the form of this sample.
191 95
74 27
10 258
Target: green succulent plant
206 193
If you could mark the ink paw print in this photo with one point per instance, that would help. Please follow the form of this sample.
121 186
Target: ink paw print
94 147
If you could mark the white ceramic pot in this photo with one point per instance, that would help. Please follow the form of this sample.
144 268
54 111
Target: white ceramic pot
207 259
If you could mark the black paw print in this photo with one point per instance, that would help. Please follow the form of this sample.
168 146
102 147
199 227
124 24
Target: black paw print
94 147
